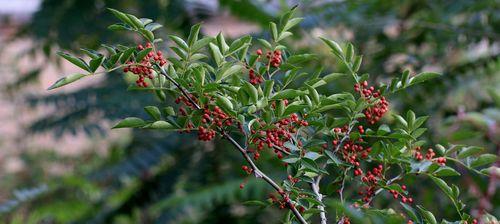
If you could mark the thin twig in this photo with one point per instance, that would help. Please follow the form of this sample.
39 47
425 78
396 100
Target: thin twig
341 190
257 172
315 185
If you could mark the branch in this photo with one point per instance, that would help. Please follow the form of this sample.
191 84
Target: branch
315 185
257 172
319 197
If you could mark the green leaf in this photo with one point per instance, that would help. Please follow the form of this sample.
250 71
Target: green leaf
291 160
268 87
446 171
228 72
181 53
126 55
423 77
419 121
142 54
293 108
121 16
225 103
256 203
130 122
300 58
91 53
74 60
401 120
169 111
251 91
153 26
66 80
428 216
410 118
95 63
265 43
328 107
357 63
440 149
179 41
404 78
333 76
193 35
145 21
287 94
147 34
349 52
419 167
221 43
314 94
274 30
135 22
291 23
469 151
118 27
110 49
283 35
334 46
238 44
153 111
161 125
201 43
442 184
483 160
216 53
410 212
333 158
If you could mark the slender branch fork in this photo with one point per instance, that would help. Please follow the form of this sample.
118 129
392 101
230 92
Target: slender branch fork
257 172
315 185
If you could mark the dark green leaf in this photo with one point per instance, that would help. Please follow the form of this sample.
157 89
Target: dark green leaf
469 151
66 80
193 35
483 160
142 54
428 216
153 111
423 77
287 94
446 171
179 41
76 61
130 122
95 63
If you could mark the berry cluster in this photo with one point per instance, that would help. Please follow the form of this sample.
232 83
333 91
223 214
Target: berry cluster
351 150
346 220
429 156
292 180
371 180
274 58
441 161
279 133
404 199
185 101
144 69
247 169
285 202
210 120
380 104
254 79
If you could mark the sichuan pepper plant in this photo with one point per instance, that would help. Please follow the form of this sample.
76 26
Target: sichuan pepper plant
241 92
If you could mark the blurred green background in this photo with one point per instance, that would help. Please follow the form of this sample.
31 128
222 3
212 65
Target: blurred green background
62 164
